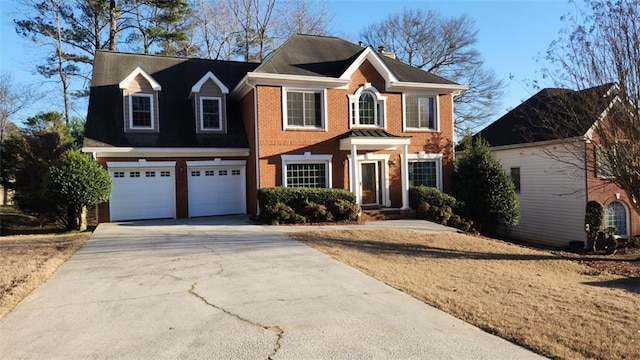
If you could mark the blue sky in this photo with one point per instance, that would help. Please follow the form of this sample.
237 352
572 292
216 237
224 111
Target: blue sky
511 35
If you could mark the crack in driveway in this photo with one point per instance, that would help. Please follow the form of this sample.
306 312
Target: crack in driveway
273 328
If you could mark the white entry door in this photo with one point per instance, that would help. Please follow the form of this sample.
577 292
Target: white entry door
216 190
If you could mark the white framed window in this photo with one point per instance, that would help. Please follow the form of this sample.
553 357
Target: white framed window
420 112
118 174
306 170
210 113
367 108
616 216
303 108
134 174
195 173
149 174
165 173
141 114
425 169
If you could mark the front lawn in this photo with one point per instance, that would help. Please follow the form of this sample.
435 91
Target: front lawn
31 258
555 306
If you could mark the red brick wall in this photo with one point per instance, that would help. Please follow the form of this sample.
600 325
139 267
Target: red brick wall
604 192
248 118
274 141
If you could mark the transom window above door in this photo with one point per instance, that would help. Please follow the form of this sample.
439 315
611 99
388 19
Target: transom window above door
303 109
420 112
367 107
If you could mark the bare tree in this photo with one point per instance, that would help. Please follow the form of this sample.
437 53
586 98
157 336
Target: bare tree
446 47
255 21
601 45
13 98
215 29
303 17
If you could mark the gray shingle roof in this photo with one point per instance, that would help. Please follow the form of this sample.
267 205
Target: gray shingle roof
105 123
312 55
550 114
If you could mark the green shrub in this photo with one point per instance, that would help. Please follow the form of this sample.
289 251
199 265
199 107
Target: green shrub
316 212
278 213
312 204
436 214
459 223
593 218
344 210
629 242
431 196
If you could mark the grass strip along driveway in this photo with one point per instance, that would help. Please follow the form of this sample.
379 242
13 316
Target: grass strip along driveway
26 261
555 306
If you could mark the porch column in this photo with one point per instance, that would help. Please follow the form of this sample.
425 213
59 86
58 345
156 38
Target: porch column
405 176
355 182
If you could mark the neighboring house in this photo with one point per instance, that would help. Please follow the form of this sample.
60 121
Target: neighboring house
553 191
192 137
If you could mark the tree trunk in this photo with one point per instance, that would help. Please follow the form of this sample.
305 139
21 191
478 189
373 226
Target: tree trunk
77 218
113 25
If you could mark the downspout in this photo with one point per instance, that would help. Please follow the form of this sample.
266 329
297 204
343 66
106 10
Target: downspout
256 138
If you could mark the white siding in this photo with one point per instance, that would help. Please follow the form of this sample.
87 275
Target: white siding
552 196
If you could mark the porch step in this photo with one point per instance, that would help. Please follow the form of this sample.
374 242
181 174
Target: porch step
387 214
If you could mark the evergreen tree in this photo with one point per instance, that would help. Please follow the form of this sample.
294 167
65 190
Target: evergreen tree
487 191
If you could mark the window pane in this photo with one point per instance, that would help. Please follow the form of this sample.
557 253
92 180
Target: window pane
295 109
210 113
422 173
420 112
141 111
307 175
367 112
617 218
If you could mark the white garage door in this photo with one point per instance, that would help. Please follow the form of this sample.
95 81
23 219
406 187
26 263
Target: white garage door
142 193
216 190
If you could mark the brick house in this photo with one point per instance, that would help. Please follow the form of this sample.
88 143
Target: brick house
188 137
554 191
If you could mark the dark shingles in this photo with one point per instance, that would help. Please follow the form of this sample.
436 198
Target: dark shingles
549 115
359 133
105 123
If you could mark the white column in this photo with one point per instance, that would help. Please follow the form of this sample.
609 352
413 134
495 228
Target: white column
405 177
355 182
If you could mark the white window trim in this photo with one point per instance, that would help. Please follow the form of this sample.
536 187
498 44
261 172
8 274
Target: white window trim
385 196
151 105
307 158
626 214
201 114
323 108
142 163
436 99
354 108
422 156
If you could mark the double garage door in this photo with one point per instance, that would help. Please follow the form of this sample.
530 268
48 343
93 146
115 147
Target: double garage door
149 192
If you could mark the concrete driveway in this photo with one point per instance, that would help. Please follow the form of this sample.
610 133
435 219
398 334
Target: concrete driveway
222 288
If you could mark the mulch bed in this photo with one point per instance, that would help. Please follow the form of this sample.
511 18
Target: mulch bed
620 264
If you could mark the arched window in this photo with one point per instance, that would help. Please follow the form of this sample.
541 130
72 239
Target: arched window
367 107
616 217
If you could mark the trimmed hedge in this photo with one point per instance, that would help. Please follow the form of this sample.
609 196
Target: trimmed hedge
298 205
432 196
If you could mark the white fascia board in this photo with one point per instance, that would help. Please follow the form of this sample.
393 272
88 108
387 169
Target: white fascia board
139 71
373 143
292 80
375 60
209 76
164 152
140 164
440 88
216 162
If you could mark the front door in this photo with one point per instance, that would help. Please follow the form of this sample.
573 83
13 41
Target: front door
369 183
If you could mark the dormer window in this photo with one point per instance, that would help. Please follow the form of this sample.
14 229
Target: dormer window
141 111
367 107
140 97
209 100
211 114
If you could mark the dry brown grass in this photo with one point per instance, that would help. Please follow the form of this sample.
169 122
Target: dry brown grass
28 261
557 307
